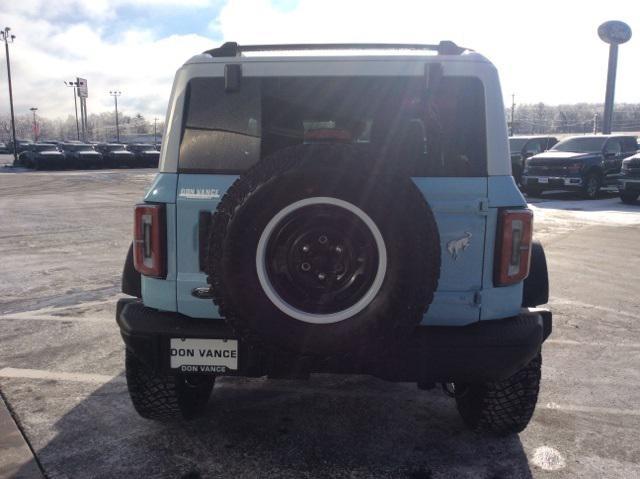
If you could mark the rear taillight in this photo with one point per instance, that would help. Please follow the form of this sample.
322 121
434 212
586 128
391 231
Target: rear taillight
513 254
149 240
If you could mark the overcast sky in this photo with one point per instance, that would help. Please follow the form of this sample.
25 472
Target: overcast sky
545 50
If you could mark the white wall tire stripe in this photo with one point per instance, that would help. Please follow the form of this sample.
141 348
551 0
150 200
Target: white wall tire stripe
313 318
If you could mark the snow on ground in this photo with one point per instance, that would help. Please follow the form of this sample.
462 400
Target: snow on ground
561 213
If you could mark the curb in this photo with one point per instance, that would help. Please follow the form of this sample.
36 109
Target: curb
16 459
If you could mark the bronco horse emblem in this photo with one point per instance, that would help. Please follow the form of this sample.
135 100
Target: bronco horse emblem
457 246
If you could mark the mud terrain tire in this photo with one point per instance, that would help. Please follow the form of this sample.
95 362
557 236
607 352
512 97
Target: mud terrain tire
501 407
162 397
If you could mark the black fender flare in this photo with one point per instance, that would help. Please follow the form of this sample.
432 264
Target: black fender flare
131 279
535 291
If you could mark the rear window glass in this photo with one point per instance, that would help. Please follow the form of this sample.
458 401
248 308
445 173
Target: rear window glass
439 133
587 144
44 147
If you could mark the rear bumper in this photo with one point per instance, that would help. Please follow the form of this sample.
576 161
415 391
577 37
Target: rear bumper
483 351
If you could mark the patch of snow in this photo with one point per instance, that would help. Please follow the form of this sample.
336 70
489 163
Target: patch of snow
606 211
548 459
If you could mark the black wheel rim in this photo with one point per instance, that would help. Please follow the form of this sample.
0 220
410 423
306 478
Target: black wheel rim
321 259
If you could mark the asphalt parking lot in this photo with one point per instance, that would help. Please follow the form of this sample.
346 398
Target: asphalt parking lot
63 239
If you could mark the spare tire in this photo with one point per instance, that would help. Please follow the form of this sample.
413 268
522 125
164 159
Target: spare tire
318 250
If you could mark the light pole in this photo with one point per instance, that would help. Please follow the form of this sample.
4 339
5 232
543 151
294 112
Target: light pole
35 124
115 94
155 131
513 110
74 84
8 38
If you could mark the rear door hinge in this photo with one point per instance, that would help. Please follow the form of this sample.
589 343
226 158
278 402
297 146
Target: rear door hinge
477 298
483 206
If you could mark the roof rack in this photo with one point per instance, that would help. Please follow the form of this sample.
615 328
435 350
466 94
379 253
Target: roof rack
232 49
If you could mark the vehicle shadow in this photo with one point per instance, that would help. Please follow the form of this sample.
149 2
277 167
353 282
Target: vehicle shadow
330 426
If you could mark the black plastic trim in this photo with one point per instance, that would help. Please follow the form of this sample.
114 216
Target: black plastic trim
232 77
131 279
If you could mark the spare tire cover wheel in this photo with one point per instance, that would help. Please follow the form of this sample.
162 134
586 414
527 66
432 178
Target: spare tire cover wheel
308 255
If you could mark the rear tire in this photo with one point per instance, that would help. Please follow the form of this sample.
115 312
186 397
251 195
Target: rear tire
501 407
162 397
629 198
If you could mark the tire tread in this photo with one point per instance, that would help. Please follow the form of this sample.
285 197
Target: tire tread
502 407
162 397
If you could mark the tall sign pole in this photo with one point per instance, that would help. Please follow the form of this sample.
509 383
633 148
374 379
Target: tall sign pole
7 38
83 92
74 84
155 132
35 124
614 33
513 111
115 94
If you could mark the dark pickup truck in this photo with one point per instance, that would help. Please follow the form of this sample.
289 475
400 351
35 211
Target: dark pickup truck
41 156
629 182
81 156
523 147
582 163
115 155
146 155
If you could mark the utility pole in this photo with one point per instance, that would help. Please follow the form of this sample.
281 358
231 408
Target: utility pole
614 33
595 123
8 38
74 84
35 124
115 94
155 131
513 110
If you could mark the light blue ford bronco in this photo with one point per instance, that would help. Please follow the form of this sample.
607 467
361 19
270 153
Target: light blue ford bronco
341 209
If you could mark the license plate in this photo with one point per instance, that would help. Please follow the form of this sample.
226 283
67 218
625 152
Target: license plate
543 179
203 355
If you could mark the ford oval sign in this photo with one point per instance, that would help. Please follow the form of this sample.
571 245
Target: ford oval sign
614 32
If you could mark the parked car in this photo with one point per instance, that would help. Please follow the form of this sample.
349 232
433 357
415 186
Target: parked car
41 156
146 156
582 163
21 145
400 250
629 182
116 155
523 147
81 156
3 148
